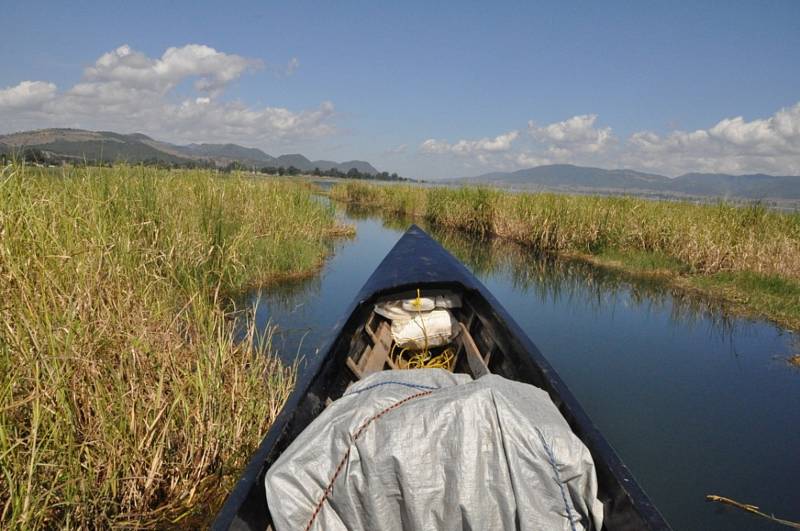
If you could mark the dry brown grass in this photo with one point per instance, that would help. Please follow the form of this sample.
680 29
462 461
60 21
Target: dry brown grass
707 238
746 255
124 399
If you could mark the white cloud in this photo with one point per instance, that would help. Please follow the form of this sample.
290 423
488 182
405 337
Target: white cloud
576 139
134 69
397 150
432 145
732 145
529 160
28 94
478 148
128 91
576 134
237 121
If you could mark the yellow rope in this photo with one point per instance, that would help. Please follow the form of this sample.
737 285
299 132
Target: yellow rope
422 359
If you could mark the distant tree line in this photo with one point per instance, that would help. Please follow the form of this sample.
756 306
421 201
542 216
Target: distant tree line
184 164
352 173
38 156
31 155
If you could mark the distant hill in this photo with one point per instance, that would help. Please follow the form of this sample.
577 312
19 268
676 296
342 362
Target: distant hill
756 186
229 152
108 146
566 177
295 159
89 145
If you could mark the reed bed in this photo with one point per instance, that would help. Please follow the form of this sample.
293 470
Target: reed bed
400 199
748 253
124 399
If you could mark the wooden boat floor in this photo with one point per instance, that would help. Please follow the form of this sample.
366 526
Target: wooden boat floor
376 350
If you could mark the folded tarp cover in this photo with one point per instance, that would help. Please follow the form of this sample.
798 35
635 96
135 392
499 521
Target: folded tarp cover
427 449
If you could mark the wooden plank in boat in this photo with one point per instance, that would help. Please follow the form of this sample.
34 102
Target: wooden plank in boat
376 356
474 359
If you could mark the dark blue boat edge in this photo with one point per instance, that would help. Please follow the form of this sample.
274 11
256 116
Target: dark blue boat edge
417 260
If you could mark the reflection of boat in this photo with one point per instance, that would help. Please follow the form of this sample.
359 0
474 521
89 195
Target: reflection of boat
490 341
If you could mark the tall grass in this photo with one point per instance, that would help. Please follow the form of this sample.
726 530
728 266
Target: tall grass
748 256
395 198
706 238
124 399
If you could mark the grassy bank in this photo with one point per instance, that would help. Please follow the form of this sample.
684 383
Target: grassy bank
748 256
123 398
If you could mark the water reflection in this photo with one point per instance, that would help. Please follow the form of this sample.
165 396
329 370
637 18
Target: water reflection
287 296
551 279
694 400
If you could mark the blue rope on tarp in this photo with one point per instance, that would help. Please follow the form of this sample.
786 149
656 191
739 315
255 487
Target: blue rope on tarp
552 460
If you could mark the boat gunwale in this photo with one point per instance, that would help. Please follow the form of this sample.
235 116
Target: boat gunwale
388 279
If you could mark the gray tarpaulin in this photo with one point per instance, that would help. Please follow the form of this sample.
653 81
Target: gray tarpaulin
427 449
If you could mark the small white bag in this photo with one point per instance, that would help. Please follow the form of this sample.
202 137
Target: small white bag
425 330
408 308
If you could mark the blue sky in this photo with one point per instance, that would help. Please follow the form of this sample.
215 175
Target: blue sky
428 91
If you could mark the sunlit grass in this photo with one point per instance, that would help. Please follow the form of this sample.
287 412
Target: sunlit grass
769 295
642 261
124 398
747 253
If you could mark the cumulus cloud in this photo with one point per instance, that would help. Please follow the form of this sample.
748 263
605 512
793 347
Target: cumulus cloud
733 145
528 160
577 138
576 134
127 90
134 69
478 148
397 150
235 120
28 94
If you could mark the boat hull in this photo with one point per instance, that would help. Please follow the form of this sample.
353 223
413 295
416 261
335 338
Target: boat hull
419 262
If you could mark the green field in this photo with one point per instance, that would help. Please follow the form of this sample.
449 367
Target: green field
124 398
748 256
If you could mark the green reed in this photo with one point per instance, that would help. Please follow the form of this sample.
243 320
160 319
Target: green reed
718 248
124 399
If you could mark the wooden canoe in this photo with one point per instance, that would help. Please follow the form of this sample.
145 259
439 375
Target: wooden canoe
490 342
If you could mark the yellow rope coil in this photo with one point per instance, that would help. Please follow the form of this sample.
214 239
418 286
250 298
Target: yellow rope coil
423 359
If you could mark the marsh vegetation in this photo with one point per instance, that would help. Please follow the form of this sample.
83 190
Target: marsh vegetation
746 255
124 398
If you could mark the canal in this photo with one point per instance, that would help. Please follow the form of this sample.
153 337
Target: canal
694 401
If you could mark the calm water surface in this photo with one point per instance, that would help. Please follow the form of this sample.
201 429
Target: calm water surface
693 401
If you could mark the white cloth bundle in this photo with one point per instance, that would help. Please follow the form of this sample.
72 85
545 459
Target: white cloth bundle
425 330
423 322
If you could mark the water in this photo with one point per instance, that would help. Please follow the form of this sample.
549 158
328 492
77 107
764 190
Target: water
695 402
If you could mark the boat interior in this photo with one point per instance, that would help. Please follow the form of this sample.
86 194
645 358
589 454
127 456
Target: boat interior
482 345
474 350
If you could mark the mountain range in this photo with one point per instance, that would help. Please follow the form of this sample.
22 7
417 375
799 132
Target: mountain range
108 146
134 148
566 177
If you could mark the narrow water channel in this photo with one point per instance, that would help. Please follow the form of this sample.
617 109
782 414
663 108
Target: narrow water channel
695 402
